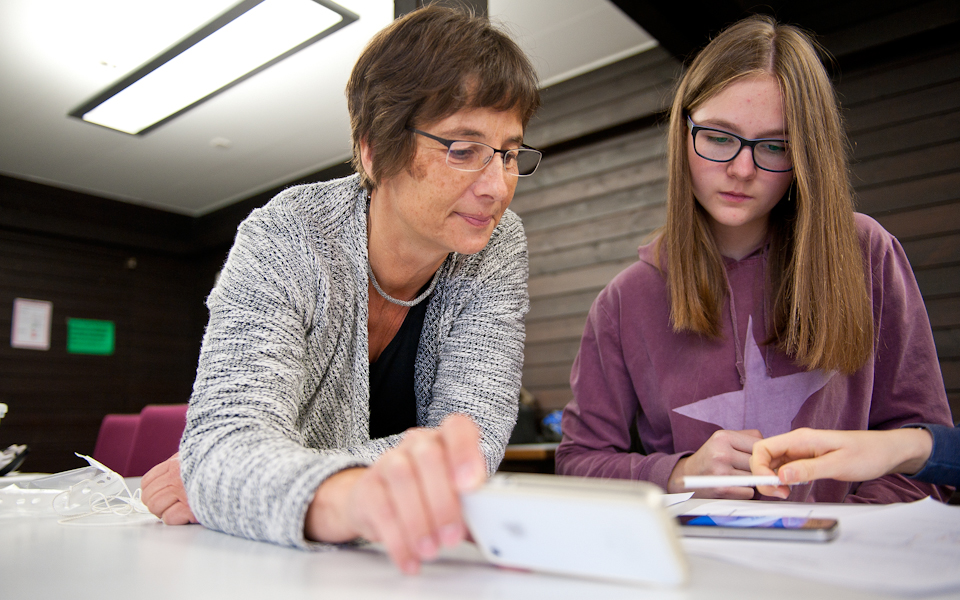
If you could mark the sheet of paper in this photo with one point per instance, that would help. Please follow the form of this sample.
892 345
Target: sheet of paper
911 548
671 499
750 508
31 324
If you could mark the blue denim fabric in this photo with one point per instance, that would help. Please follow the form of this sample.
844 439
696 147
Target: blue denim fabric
943 466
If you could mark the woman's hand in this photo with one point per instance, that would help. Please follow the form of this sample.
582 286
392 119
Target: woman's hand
162 491
409 499
807 454
727 452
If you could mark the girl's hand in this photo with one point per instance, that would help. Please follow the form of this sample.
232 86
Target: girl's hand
727 452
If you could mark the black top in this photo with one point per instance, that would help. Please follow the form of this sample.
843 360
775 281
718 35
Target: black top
393 402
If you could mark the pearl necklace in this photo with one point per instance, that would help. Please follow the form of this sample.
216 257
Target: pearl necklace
407 303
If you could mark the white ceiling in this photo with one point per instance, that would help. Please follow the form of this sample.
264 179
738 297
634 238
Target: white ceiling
286 122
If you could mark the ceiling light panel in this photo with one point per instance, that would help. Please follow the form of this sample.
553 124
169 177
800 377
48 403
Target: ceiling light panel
239 43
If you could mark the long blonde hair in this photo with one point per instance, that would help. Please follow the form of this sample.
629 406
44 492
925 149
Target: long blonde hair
822 313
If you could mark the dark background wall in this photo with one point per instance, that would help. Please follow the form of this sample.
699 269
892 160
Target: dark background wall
146 270
598 195
83 254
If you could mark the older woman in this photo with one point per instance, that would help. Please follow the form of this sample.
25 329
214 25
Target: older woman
351 312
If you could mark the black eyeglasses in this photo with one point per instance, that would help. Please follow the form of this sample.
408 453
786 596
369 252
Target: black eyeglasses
722 146
475 156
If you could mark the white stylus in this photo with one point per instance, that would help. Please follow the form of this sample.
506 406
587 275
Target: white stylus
698 482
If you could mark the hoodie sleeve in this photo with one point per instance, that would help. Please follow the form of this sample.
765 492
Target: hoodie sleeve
597 423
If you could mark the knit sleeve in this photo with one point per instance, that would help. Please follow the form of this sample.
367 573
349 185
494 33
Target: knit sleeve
246 468
477 358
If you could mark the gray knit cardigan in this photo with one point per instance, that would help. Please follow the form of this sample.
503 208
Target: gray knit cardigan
281 400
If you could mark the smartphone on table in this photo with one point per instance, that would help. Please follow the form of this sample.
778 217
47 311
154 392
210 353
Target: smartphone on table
807 529
603 529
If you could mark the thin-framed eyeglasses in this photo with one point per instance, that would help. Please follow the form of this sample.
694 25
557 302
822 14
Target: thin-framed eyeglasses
475 156
722 146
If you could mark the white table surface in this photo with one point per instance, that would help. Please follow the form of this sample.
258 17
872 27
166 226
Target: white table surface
40 559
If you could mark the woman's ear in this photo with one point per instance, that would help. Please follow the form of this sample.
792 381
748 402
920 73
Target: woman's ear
366 157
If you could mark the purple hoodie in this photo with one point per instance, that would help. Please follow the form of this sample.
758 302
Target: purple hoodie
679 388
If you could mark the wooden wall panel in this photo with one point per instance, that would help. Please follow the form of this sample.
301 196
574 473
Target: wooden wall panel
904 120
901 78
941 218
586 212
634 87
884 110
553 330
909 194
933 251
944 312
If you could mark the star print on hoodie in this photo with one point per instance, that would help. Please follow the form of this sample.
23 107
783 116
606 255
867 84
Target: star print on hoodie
766 403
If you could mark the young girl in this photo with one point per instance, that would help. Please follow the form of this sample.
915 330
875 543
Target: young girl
766 304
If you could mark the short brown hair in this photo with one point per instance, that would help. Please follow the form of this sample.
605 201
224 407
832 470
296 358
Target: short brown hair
822 314
424 67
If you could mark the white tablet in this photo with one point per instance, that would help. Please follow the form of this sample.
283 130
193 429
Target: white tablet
599 528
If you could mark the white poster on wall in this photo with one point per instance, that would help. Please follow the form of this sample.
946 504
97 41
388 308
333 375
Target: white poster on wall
31 324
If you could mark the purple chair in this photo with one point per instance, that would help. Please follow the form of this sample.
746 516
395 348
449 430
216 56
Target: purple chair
115 441
157 438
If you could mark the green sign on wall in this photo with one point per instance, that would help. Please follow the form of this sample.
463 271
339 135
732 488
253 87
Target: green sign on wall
90 336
